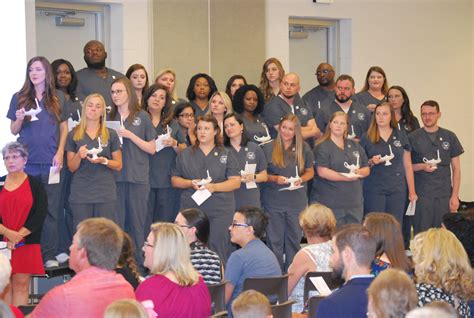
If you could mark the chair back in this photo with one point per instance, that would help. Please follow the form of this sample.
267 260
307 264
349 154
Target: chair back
313 305
328 278
283 310
217 292
270 287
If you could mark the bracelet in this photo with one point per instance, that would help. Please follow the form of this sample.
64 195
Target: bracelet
106 162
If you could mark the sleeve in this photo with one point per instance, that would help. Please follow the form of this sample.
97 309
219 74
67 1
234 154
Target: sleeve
368 119
364 161
143 291
37 214
53 304
456 149
322 156
404 140
416 123
232 168
233 271
176 170
261 160
70 143
176 133
364 142
326 309
308 157
415 156
150 132
114 140
13 107
63 106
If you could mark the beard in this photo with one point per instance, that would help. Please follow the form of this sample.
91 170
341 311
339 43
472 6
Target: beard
342 98
97 66
338 271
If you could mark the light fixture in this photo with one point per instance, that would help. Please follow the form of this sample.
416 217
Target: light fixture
69 21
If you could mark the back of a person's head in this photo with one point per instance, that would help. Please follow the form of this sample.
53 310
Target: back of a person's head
387 232
440 260
102 239
198 219
462 225
125 308
318 220
256 218
5 272
251 304
435 309
392 294
359 240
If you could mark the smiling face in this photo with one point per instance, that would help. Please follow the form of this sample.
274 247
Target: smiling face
167 80
232 128
383 116
119 94
37 73
287 131
338 126
157 100
94 109
395 98
218 106
63 76
201 88
205 132
138 79
375 80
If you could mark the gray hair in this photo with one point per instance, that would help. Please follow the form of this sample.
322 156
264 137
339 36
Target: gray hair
15 146
5 272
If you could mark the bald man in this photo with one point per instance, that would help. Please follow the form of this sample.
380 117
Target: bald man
289 101
96 77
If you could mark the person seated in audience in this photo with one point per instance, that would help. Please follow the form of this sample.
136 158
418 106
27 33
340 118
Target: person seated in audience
251 304
442 270
438 309
233 84
138 75
200 89
388 234
462 225
94 253
126 308
5 274
391 295
175 287
353 251
126 265
195 225
254 259
318 224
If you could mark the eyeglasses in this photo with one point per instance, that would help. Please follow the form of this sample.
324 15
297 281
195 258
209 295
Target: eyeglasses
148 244
323 72
234 224
182 225
116 92
186 115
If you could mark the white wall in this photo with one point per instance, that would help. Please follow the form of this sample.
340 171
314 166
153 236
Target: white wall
424 46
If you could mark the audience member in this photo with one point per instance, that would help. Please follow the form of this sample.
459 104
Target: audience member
195 225
462 225
126 265
5 274
318 224
126 308
442 270
375 89
270 78
95 250
438 309
23 207
96 77
392 294
175 287
353 252
254 259
6 312
251 304
387 233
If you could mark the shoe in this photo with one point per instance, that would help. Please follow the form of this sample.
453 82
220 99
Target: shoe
62 258
51 263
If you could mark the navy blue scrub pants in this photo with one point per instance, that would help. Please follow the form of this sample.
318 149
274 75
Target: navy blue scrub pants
83 211
391 203
429 213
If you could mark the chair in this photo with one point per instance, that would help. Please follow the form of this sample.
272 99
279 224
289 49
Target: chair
328 278
270 287
283 310
313 305
217 292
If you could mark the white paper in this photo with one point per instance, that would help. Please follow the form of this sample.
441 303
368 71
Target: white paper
200 196
159 142
71 124
54 173
250 169
321 285
116 125
291 188
5 251
411 208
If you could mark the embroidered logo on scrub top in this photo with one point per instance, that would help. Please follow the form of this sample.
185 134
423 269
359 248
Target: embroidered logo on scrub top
355 153
223 159
361 116
397 143
137 121
250 155
445 145
303 111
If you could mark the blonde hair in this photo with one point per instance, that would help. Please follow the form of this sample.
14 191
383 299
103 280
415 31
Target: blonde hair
373 132
125 308
264 83
440 260
278 154
80 129
327 133
251 304
171 253
173 94
317 220
392 294
227 102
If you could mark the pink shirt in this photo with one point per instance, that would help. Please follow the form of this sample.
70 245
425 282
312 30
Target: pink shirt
87 294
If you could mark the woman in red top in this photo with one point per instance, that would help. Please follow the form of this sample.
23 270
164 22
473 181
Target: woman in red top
23 206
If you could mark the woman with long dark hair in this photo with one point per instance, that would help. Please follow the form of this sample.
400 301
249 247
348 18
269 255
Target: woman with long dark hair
138 75
233 84
200 89
397 97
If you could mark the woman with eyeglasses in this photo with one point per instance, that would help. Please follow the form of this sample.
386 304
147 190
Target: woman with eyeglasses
251 160
23 207
184 115
175 287
208 174
375 89
138 142
163 199
284 195
195 225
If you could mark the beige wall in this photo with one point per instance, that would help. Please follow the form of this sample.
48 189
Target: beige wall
220 37
424 46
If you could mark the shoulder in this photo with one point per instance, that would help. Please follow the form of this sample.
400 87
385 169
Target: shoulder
34 181
115 73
